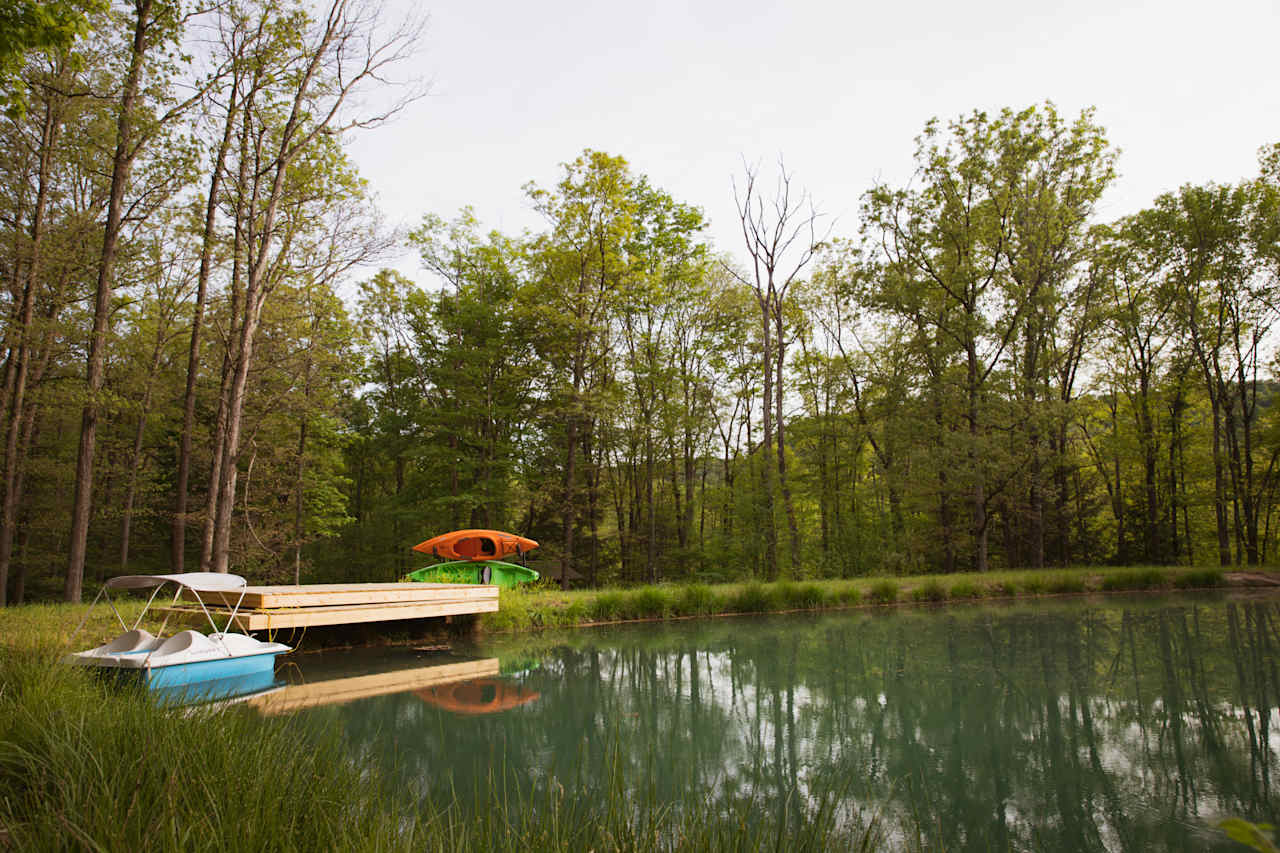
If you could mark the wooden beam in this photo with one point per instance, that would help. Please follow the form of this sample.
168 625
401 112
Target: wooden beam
332 594
302 617
334 691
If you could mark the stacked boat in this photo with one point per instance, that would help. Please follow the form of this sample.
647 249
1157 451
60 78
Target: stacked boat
476 556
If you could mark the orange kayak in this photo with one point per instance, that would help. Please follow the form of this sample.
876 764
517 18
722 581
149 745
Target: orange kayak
482 696
476 545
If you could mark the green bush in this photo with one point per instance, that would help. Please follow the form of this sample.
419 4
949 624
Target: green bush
1006 588
1065 584
647 602
884 592
966 589
1141 579
608 606
696 599
754 597
793 596
931 590
1200 579
1035 585
848 595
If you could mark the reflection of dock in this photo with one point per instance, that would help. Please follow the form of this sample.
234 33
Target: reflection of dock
337 690
266 608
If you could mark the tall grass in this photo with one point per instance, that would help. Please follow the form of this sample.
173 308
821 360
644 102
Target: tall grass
88 767
85 766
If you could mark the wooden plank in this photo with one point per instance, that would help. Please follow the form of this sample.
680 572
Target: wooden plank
335 691
303 617
326 594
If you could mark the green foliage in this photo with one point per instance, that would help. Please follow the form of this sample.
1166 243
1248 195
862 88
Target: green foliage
1254 835
965 589
608 606
1061 584
695 600
78 758
848 595
883 592
1141 579
1035 585
648 602
1200 579
754 597
931 590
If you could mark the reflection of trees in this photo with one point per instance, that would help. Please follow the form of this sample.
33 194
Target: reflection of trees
1050 728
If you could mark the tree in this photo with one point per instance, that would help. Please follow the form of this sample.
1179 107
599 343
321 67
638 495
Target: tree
781 236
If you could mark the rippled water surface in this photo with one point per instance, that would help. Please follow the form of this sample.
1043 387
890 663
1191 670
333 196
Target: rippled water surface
1088 725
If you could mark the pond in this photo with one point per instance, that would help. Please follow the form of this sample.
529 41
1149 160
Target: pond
1088 724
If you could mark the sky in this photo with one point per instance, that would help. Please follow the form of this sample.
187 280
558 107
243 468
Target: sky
687 92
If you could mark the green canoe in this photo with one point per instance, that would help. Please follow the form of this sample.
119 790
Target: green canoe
477 571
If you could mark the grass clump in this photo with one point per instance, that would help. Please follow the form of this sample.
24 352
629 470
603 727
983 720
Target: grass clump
848 596
931 590
754 597
965 589
1006 588
88 767
608 606
1200 579
793 596
883 592
696 599
1035 585
1060 584
1141 579
647 602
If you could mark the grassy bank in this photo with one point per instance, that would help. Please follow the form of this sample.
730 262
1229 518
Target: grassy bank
525 609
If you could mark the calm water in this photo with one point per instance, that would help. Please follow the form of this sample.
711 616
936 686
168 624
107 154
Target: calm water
1116 725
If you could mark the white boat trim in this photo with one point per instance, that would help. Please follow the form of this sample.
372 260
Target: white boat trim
197 582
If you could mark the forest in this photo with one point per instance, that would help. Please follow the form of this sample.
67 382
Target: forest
202 372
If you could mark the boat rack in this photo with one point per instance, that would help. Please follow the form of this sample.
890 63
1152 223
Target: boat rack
268 608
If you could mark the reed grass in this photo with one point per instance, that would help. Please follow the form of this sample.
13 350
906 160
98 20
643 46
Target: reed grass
88 766
525 608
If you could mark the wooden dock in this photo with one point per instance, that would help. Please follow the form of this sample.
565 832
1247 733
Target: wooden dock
267 608
335 691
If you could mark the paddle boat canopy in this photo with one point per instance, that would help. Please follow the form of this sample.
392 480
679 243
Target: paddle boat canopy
188 657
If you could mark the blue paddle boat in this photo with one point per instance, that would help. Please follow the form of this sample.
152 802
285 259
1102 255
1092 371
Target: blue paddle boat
188 657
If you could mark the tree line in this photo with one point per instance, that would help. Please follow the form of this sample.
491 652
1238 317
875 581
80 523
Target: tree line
979 372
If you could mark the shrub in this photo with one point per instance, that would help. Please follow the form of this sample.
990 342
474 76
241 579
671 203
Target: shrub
1200 579
931 590
799 596
884 592
648 602
848 595
1034 585
1143 579
607 606
966 589
1006 588
696 599
754 597
1066 583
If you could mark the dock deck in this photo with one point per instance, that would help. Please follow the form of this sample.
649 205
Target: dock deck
265 608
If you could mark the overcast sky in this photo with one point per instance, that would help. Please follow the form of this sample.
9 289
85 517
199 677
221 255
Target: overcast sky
685 91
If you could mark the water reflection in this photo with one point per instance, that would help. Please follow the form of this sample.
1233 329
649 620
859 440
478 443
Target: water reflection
1099 727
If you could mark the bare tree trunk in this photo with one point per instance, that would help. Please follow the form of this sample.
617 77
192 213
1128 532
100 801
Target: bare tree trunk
793 528
122 164
13 461
135 458
178 534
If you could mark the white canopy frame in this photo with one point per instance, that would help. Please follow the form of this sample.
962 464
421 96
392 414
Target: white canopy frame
196 582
